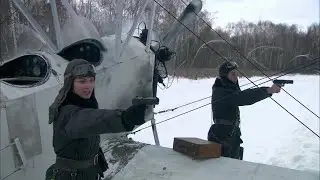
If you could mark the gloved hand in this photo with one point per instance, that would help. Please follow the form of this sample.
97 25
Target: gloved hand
132 116
274 89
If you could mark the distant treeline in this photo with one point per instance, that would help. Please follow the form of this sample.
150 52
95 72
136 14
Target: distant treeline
265 45
272 47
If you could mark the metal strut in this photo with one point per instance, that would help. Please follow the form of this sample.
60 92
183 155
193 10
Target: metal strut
150 102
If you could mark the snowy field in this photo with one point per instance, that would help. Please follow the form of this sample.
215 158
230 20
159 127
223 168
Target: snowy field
271 135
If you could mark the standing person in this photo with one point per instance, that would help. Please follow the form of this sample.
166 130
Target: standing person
78 123
225 102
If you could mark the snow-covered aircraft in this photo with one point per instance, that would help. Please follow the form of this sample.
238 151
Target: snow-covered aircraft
126 67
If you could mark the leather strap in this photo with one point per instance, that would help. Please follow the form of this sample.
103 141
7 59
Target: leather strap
70 164
226 122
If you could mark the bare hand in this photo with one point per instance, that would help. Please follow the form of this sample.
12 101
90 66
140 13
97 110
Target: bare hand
274 89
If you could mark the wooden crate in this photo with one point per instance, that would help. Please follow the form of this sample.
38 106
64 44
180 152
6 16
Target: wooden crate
196 148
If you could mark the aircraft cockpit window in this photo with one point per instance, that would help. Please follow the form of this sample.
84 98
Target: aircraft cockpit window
27 70
85 50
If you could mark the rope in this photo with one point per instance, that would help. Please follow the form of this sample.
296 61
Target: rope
14 170
11 173
6 147
252 64
290 70
221 100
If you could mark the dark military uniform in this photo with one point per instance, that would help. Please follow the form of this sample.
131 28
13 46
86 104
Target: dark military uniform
77 125
226 99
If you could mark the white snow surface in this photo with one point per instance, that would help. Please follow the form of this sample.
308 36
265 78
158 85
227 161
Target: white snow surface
271 136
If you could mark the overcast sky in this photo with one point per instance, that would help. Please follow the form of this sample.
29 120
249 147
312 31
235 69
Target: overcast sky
301 12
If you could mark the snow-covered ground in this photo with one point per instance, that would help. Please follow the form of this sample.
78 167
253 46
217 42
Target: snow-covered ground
271 135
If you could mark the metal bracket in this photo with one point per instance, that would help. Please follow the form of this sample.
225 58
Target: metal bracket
21 153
